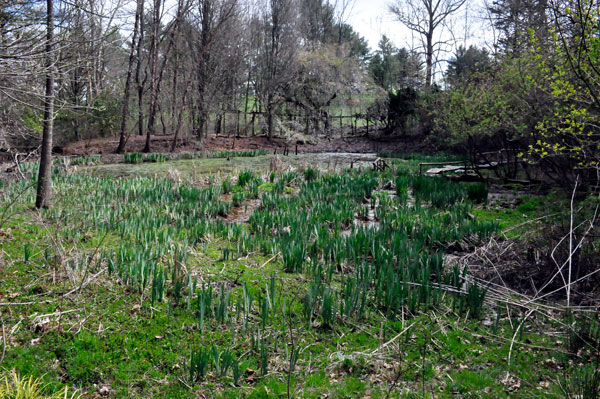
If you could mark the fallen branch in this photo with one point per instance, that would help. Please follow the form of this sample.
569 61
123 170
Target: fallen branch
512 342
269 260
393 339
88 282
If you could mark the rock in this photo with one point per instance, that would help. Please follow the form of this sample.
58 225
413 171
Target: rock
389 186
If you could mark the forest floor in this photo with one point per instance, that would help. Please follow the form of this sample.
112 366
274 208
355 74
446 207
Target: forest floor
362 143
188 279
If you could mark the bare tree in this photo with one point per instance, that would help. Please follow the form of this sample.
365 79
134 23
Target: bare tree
343 10
213 42
127 91
426 17
153 60
277 58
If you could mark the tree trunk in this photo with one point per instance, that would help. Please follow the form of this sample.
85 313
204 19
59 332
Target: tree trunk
206 9
270 120
44 187
153 74
429 60
126 94
246 103
180 115
140 84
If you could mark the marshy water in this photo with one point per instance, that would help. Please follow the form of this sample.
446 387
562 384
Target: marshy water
196 169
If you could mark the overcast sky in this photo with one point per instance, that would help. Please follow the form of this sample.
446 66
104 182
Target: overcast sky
371 19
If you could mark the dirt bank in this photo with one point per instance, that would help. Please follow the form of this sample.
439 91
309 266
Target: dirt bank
356 144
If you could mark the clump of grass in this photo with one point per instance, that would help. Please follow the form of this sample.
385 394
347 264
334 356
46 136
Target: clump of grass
237 199
310 174
475 300
227 186
93 160
477 192
584 383
582 332
155 157
14 386
244 178
134 157
199 363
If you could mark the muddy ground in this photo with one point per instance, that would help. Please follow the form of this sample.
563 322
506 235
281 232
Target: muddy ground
362 143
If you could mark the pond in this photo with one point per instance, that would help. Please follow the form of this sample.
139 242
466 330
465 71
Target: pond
202 168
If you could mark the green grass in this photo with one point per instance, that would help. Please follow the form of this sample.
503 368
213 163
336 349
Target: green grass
369 310
528 214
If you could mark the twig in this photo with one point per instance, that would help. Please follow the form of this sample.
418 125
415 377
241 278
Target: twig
184 383
18 167
26 303
53 314
393 339
85 284
571 243
395 382
529 222
512 342
11 203
268 261
3 340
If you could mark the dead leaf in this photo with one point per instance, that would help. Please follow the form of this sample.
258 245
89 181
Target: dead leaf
250 377
104 390
511 383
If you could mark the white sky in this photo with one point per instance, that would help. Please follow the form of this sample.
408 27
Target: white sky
371 19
